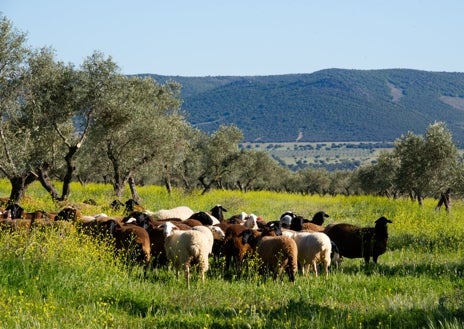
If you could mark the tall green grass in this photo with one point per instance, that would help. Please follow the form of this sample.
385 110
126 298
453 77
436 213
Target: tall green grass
58 278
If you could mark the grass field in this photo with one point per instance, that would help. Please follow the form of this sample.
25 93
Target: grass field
57 278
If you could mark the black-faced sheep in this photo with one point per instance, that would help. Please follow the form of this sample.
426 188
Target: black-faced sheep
68 214
218 212
116 205
132 205
298 223
360 242
277 253
286 219
139 218
186 248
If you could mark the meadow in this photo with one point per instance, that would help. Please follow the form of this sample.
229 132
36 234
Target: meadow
324 153
59 278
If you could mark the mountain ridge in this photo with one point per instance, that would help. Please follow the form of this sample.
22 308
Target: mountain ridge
327 105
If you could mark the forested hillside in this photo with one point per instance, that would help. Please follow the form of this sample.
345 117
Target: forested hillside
328 105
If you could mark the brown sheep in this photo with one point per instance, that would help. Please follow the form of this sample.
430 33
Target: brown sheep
277 253
232 246
126 236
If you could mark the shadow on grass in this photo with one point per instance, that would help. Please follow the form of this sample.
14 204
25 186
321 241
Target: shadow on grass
433 270
296 314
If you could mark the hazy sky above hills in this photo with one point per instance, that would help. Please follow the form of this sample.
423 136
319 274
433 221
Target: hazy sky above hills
247 37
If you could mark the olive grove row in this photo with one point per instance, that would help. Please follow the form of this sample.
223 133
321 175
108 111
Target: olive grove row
61 123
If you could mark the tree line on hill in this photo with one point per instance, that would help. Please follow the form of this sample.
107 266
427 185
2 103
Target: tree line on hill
60 124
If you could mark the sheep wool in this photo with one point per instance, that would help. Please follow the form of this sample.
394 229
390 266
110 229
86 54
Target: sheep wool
182 212
313 249
279 253
185 248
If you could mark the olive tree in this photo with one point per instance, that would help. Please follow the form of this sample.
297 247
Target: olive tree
253 170
18 140
53 103
313 181
379 178
218 155
426 164
139 123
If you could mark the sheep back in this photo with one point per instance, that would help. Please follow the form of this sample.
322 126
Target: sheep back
279 253
186 247
208 236
313 248
182 212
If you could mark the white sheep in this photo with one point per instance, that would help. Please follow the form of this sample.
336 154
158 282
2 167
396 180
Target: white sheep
185 248
182 212
211 233
313 248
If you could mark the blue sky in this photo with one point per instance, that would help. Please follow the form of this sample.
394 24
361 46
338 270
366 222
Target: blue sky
247 37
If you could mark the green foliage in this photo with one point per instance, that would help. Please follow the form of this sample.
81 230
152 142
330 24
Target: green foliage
60 278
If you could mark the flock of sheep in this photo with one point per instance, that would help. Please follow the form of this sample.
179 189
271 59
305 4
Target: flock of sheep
183 238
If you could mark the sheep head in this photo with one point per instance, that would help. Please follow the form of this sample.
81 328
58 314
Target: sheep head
217 211
251 221
286 218
319 218
381 225
218 234
168 228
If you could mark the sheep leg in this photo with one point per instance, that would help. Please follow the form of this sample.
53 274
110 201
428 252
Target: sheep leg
315 267
187 275
366 259
291 274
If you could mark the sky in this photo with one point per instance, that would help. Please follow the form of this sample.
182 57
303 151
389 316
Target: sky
247 37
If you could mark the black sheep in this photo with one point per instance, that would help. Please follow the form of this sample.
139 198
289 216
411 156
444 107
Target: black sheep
360 242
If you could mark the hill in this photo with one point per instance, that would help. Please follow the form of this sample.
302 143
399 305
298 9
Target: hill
330 105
